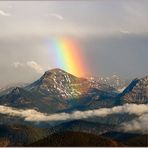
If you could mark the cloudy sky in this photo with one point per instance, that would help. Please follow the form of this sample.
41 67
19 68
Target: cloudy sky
113 36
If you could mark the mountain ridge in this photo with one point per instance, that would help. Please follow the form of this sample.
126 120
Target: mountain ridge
65 91
75 139
55 88
136 92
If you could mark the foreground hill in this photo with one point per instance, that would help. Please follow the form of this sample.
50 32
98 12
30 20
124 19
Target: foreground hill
74 133
128 139
82 126
75 139
18 135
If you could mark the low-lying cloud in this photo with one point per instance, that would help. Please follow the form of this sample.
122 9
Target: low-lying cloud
139 124
33 115
35 66
3 13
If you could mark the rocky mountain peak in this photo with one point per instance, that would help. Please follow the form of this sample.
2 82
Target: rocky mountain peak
16 91
137 91
144 80
55 71
58 76
59 82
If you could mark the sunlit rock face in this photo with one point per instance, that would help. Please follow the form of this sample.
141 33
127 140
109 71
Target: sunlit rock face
64 85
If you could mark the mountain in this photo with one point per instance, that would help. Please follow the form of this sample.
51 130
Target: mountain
24 99
128 139
136 92
18 135
82 126
113 81
137 141
73 139
64 85
8 88
60 92
56 90
60 84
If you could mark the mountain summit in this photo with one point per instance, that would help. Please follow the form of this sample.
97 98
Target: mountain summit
64 85
60 83
55 90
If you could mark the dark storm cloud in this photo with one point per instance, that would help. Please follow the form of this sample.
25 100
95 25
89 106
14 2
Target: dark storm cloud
125 55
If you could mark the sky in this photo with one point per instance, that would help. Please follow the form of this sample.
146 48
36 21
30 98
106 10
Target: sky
112 36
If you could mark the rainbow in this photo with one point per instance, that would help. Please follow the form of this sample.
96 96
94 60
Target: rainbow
68 56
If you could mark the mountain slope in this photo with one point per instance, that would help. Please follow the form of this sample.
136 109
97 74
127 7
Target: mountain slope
64 85
59 83
82 126
128 139
24 99
136 92
15 135
114 81
55 91
75 139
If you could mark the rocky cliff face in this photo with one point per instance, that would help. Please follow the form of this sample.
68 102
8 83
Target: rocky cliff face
64 85
136 92
55 90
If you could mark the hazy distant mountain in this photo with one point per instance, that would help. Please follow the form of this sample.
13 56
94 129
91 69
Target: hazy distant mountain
136 92
113 81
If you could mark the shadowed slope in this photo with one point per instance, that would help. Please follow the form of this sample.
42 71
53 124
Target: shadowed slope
75 139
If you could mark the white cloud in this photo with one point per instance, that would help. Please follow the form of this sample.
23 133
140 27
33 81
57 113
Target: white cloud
17 64
4 13
124 31
33 115
58 16
137 125
31 64
35 66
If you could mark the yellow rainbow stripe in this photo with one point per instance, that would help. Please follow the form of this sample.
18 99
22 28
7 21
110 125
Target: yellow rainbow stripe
68 56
